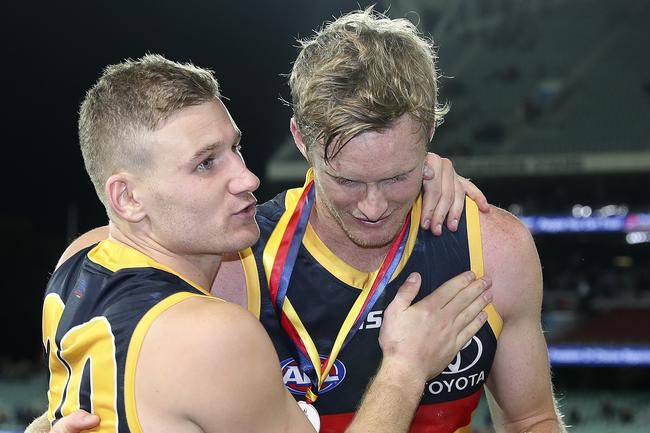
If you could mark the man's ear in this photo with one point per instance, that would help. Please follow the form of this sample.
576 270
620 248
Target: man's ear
297 138
120 189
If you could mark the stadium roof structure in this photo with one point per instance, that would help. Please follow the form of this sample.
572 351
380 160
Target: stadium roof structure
535 87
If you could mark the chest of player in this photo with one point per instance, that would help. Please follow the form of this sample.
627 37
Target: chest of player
322 302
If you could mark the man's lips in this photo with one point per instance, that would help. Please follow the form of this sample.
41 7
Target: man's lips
369 223
247 209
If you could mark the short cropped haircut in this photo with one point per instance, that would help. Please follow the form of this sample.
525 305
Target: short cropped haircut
129 99
360 73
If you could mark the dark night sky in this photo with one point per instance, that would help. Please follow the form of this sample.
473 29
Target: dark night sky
54 51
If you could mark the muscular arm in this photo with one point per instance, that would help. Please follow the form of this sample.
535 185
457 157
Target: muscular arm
519 380
221 369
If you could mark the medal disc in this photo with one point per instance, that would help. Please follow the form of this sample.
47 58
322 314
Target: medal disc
311 413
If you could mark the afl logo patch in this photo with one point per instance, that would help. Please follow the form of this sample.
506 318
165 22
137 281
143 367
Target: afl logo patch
298 382
468 356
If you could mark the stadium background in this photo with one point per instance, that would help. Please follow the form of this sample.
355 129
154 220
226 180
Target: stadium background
550 115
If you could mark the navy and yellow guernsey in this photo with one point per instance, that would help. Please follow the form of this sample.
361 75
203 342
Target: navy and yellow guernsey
323 289
98 307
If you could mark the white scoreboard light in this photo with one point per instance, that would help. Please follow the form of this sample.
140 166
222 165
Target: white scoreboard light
550 224
599 355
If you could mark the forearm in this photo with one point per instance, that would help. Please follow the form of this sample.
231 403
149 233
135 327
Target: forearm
390 401
39 425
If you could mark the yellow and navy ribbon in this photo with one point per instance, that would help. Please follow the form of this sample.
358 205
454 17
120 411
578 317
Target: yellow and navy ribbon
282 267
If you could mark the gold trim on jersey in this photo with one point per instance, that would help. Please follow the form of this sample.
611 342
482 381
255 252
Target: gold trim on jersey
52 312
253 295
333 264
474 237
115 256
476 258
494 319
133 353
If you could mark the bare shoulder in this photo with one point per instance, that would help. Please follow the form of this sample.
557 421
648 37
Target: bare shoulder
201 351
511 261
503 228
505 239
85 240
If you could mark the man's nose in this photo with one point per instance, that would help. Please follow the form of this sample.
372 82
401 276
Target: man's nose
244 182
373 205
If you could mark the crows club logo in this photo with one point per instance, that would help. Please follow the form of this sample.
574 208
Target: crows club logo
298 382
466 358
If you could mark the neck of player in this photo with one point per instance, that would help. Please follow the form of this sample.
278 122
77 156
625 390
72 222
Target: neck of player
199 268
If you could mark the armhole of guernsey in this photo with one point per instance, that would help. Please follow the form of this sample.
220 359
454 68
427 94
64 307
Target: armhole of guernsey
476 258
133 353
252 281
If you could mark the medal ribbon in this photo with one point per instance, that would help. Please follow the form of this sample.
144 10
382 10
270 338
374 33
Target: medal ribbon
280 275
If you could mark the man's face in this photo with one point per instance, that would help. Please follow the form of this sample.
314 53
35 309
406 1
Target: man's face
198 192
369 187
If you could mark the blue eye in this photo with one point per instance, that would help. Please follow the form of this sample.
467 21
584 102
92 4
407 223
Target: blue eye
205 165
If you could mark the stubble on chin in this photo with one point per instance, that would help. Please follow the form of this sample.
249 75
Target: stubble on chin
363 242
359 239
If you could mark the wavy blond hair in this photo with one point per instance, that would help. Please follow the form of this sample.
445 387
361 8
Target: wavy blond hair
129 99
360 73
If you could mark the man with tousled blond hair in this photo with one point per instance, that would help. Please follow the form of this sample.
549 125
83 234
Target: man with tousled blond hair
364 98
130 329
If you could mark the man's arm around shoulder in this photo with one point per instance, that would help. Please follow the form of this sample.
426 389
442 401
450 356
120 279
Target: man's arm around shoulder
520 379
